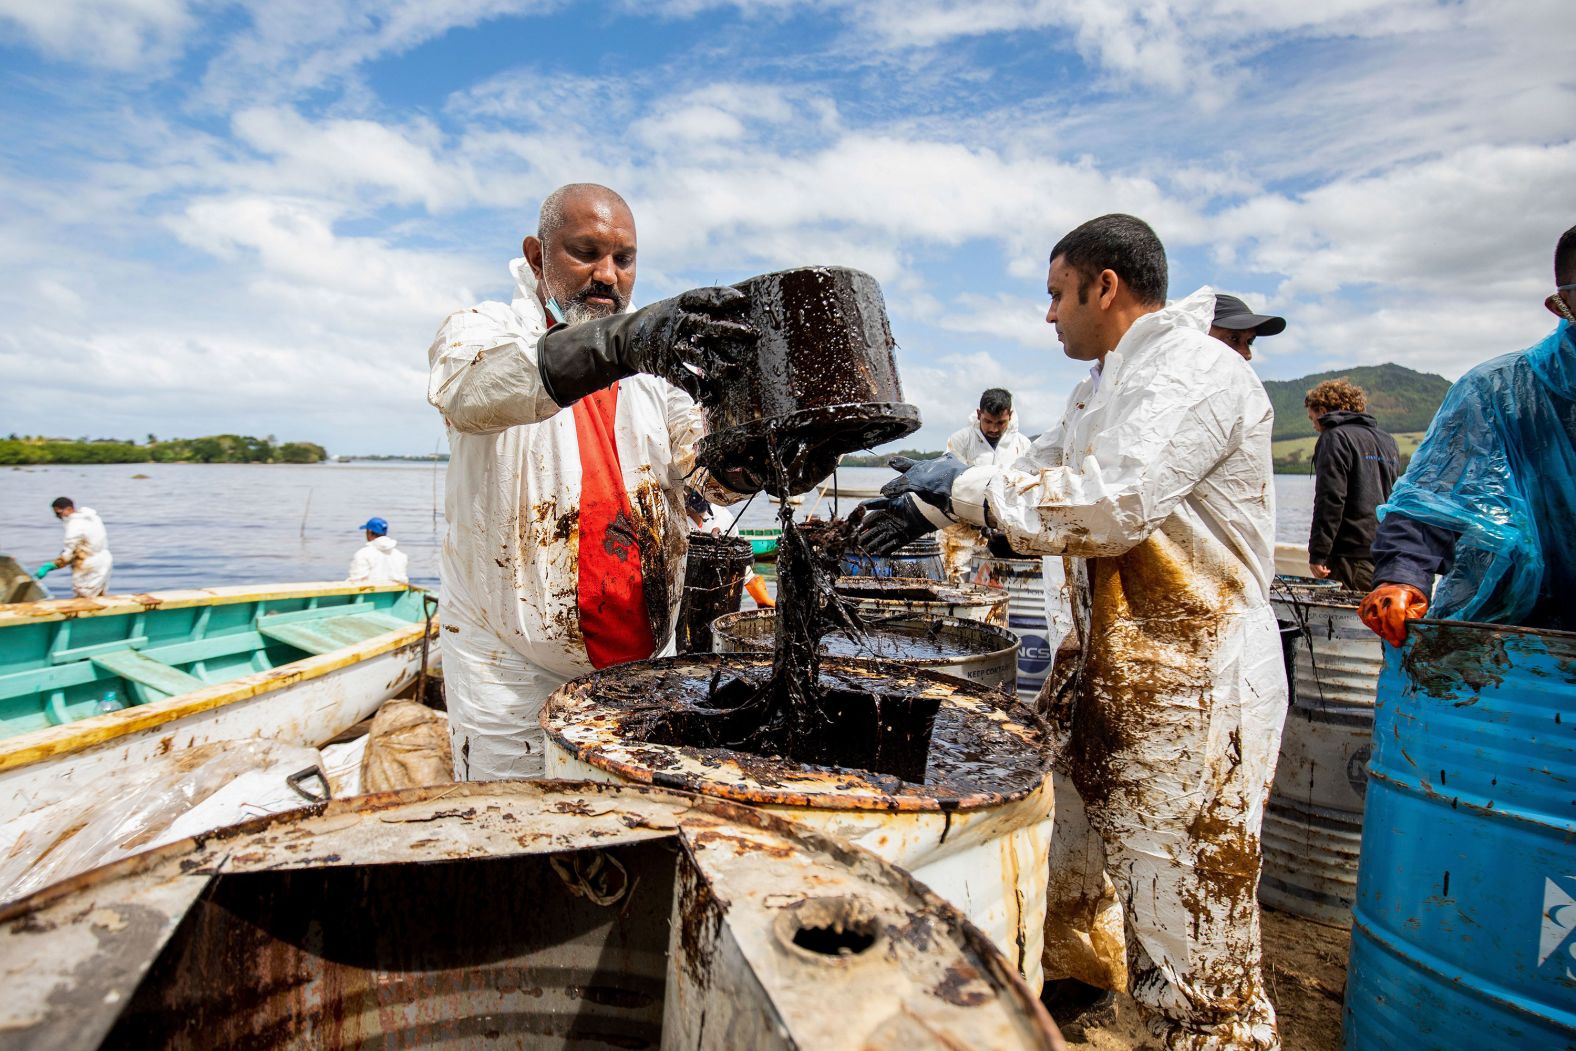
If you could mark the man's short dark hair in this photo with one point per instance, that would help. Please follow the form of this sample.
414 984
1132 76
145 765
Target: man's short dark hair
996 401
63 503
1122 244
1565 258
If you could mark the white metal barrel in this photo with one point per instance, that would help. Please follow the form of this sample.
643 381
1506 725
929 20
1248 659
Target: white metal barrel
1313 825
983 847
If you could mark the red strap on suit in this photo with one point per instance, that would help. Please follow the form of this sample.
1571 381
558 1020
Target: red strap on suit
612 596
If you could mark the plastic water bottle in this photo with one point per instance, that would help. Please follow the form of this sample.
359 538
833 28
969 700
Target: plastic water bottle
110 702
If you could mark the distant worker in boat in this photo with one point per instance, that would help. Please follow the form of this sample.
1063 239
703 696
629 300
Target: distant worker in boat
1488 500
993 438
86 550
1354 468
1237 326
1157 480
571 432
378 561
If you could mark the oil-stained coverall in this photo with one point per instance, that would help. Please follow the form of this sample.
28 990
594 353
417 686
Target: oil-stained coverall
1159 477
86 550
519 615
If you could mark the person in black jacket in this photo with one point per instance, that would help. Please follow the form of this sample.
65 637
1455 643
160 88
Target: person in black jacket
1354 467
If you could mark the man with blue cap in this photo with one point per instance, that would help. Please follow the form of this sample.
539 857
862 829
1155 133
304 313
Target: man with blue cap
378 562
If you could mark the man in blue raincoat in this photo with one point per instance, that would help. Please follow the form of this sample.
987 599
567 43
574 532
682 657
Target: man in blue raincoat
1489 501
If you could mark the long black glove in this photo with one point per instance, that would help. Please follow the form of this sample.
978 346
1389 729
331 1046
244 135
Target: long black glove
889 523
687 340
930 480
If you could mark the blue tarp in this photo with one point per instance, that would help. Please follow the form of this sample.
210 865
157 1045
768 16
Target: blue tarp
1498 467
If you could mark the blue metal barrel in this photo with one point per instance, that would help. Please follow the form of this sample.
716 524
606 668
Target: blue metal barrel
1464 932
922 558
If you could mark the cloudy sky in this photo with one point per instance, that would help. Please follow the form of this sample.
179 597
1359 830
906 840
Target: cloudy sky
252 216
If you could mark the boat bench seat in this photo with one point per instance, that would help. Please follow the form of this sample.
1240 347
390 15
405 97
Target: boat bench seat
331 633
148 674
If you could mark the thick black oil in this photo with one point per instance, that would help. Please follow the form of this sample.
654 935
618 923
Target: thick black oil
693 703
794 713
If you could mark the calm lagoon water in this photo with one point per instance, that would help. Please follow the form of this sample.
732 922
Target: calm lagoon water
204 525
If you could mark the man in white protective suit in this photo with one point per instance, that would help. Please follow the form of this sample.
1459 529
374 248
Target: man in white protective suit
991 438
85 549
1158 482
993 435
570 439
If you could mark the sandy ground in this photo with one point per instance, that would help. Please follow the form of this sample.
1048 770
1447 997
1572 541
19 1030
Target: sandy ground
1305 968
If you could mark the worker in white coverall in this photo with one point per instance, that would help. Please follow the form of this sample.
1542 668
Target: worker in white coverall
85 549
569 446
378 561
1158 480
991 438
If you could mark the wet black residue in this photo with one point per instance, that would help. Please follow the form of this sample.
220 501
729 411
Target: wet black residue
971 753
1454 662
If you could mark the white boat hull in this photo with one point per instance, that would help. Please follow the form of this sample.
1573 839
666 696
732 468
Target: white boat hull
289 704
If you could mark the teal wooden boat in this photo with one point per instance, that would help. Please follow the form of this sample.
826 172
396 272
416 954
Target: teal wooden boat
88 684
763 541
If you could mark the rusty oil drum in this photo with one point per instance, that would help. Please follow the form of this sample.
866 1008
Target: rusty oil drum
533 914
922 558
978 833
1464 931
822 382
963 649
714 576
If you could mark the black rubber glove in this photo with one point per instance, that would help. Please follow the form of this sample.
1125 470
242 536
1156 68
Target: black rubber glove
687 340
887 524
930 480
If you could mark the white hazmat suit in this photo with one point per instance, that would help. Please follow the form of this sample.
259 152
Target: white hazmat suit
86 551
972 447
511 617
960 543
1158 478
379 561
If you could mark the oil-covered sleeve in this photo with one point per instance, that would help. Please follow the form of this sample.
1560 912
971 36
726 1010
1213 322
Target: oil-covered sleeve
686 426
484 377
1160 435
76 534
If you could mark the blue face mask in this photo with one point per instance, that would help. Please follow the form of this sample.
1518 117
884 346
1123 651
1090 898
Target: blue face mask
554 311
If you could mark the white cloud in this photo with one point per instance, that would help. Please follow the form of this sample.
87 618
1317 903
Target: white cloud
289 247
346 156
117 34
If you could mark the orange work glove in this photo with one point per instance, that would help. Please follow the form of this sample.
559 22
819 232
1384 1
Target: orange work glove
757 589
1388 607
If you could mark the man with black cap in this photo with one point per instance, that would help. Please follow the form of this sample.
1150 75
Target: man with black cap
1237 326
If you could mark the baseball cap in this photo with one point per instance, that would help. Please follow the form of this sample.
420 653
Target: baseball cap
376 525
1233 313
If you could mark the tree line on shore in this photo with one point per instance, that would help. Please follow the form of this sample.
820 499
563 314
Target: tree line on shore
16 450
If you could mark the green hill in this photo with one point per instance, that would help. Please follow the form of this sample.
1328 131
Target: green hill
1402 400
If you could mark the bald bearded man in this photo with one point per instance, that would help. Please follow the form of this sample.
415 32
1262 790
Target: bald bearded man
571 433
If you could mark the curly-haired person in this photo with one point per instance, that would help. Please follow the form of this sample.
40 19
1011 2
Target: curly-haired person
1354 468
